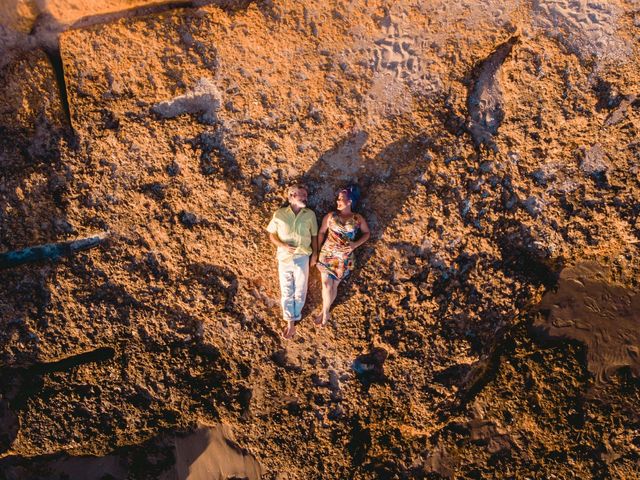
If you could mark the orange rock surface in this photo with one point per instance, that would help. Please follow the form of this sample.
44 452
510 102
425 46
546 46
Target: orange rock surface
495 144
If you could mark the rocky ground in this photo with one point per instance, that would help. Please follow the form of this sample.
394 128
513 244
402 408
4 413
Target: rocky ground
490 330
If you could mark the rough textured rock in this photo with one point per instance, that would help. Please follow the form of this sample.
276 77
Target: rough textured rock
428 368
34 24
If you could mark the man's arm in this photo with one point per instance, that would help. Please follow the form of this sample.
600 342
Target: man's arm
279 243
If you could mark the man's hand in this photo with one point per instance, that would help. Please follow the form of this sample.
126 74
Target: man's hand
280 244
314 260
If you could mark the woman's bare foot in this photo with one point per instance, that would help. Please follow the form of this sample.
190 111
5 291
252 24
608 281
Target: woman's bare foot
289 331
321 320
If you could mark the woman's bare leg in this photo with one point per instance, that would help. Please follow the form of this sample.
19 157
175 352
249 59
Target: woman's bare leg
327 299
329 294
334 290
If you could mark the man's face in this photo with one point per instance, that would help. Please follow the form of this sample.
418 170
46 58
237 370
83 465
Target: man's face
298 197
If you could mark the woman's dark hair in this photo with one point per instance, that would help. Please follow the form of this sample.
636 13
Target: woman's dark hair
353 194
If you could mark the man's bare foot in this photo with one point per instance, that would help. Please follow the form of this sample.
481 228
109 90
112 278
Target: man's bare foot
289 331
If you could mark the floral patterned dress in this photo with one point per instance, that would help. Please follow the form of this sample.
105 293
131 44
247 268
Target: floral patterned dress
335 259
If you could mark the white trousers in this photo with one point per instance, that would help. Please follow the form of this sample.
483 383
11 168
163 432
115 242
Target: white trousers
294 277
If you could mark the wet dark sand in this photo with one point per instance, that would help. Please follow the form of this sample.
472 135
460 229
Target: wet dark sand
603 316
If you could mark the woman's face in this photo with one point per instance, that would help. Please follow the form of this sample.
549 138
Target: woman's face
343 200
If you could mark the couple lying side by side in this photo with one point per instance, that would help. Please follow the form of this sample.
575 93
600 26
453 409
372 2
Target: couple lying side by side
294 230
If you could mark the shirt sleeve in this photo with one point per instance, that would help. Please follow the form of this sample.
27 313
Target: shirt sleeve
314 225
273 226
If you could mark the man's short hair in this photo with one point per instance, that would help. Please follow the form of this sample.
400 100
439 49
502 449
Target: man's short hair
296 186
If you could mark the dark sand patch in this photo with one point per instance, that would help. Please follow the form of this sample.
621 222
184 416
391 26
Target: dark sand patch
602 315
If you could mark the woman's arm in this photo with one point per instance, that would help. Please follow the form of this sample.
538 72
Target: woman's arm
314 251
366 233
323 230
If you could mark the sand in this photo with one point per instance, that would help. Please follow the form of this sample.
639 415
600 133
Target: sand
211 454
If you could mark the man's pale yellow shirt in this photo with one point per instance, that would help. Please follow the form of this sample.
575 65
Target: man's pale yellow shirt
294 230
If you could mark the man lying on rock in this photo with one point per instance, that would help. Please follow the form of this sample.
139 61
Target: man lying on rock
294 230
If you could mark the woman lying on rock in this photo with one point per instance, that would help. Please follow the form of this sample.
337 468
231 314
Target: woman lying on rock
341 229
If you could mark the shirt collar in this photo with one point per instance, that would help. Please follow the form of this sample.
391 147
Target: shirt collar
291 209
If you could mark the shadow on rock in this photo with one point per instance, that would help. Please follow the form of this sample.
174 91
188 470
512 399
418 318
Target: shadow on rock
386 181
218 284
369 367
19 384
521 256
